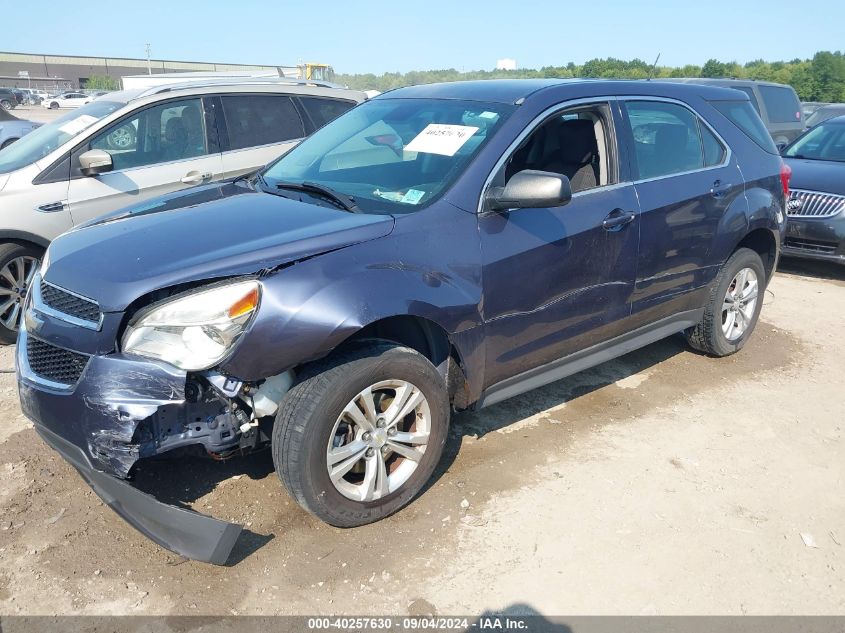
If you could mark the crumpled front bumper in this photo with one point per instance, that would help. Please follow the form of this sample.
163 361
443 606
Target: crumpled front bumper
92 423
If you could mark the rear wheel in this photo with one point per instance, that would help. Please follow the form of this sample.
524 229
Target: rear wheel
6 104
7 142
733 307
18 265
54 106
361 434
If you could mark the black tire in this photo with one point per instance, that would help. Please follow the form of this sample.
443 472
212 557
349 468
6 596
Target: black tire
120 142
708 336
6 104
9 252
7 142
54 106
307 415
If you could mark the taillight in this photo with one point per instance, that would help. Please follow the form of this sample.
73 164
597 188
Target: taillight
785 175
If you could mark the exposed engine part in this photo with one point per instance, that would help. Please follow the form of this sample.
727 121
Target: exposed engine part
265 400
193 391
225 385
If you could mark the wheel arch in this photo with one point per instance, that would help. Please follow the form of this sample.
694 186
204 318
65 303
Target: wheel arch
763 242
426 337
24 238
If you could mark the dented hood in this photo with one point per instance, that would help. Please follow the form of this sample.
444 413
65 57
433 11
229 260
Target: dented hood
205 233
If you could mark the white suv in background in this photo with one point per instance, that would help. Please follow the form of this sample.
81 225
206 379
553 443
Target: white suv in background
132 145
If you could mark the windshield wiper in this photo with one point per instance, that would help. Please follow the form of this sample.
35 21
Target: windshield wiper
340 199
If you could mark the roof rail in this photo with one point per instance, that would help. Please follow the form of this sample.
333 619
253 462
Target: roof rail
239 81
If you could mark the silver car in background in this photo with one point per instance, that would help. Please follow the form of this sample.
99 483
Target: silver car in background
12 128
126 147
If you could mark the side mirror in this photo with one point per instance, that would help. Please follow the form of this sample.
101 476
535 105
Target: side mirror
531 189
95 161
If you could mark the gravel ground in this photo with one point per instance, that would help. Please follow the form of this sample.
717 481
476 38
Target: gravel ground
663 482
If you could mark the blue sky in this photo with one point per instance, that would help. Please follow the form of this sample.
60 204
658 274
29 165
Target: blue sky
396 35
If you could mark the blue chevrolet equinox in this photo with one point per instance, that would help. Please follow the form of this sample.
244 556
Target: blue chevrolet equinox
437 248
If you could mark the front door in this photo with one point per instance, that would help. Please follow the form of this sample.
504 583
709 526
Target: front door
155 151
557 280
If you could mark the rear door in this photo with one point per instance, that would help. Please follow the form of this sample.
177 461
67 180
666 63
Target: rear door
256 129
156 150
686 179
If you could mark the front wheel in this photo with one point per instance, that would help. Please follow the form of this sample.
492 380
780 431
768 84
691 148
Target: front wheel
6 104
7 142
54 106
360 435
733 306
18 265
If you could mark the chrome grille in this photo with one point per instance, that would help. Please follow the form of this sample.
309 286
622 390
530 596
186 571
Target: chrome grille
54 363
68 303
815 204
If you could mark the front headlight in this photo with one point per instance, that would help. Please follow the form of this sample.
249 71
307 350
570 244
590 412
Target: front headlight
193 331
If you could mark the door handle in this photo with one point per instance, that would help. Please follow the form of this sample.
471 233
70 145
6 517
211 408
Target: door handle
719 189
52 207
617 219
194 177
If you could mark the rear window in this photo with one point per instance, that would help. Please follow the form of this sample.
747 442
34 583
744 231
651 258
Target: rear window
752 96
782 105
743 115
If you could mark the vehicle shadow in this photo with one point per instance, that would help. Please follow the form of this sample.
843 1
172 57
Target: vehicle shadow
183 480
812 268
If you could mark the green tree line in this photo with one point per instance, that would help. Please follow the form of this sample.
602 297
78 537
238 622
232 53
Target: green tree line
821 78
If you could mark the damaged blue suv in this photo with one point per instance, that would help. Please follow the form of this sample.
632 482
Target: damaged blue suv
437 248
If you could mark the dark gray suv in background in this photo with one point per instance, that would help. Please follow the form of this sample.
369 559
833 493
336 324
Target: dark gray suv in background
438 247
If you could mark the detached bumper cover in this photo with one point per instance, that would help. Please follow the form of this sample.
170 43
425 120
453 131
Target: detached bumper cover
184 532
92 423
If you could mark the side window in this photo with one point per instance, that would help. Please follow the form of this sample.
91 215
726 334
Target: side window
782 105
742 115
322 110
572 143
666 138
170 131
714 151
254 120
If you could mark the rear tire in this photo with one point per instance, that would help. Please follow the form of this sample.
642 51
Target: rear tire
6 104
349 467
7 142
729 315
54 106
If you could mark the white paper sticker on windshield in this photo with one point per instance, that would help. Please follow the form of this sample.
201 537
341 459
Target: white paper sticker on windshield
75 126
438 138
412 196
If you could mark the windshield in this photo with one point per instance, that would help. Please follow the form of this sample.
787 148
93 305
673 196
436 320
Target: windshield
391 155
38 143
826 141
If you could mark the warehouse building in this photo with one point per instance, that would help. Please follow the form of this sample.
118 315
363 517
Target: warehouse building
63 72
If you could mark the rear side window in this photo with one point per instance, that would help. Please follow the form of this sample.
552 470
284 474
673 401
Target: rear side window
322 111
714 151
666 138
743 115
782 105
253 120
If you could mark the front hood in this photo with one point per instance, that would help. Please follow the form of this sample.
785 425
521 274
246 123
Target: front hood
205 233
817 175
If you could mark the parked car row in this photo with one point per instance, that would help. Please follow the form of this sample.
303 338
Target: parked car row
435 248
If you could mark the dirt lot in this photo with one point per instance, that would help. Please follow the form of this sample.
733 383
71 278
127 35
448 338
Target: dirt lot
663 482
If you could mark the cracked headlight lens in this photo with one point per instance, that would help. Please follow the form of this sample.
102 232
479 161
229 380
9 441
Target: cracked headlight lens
193 331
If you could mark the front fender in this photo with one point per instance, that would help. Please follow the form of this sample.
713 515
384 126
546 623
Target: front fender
310 308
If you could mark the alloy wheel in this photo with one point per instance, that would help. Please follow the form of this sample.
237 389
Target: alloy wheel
378 440
15 280
739 304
